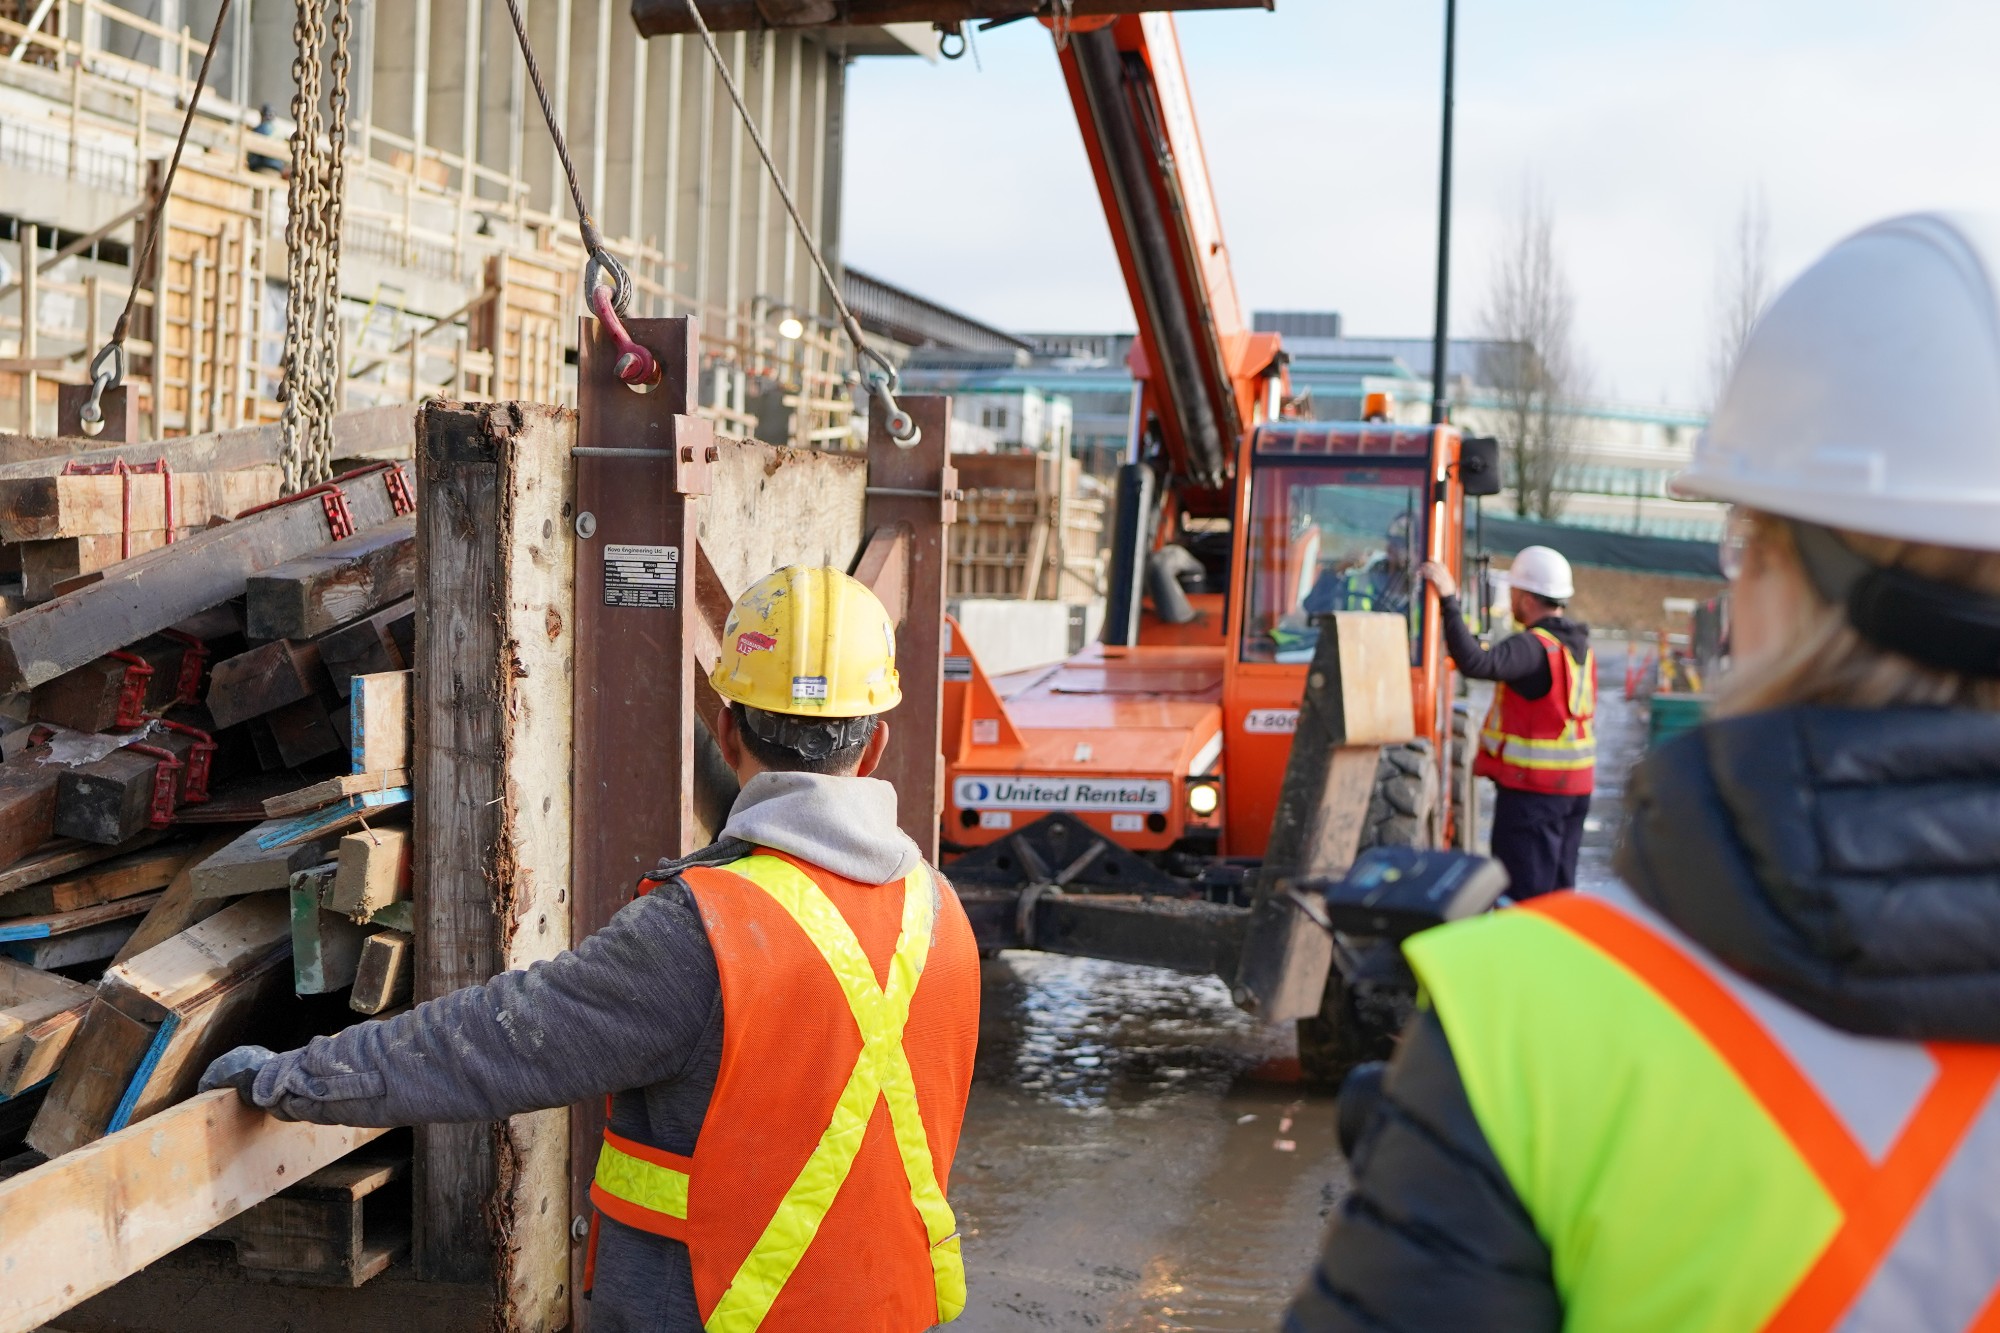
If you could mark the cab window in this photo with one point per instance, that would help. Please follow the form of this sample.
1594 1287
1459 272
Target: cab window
1330 538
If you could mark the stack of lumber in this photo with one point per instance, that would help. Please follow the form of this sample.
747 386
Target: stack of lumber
204 812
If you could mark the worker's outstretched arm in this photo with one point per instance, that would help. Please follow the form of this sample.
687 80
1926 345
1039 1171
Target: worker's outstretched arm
1517 659
624 1009
1432 1236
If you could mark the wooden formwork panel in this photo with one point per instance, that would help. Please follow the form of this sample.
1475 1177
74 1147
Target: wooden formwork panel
521 326
1018 535
207 284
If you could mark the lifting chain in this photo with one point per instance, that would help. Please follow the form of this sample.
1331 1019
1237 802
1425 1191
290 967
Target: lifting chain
313 336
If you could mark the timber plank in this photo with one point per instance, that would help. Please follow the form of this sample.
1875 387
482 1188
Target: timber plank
62 856
176 908
379 716
246 866
39 1014
317 593
332 789
177 1177
27 804
346 813
52 567
134 873
151 592
72 950
111 801
87 698
43 925
304 730
326 946
194 995
264 680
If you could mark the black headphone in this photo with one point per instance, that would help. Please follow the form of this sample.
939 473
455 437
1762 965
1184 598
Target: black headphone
1939 624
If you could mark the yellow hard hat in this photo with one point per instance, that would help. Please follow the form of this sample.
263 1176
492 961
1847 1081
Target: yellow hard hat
809 642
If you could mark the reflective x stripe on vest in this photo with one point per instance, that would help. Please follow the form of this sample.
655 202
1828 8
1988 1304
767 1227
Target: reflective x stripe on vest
1701 1154
650 1189
1547 744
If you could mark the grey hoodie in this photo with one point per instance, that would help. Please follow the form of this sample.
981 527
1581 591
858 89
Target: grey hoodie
635 1010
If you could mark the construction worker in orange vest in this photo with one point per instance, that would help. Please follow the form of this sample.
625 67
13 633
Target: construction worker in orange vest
1539 743
1754 1081
784 1023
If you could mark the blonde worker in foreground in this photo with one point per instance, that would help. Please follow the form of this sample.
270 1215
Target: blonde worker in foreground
784 1022
1756 1084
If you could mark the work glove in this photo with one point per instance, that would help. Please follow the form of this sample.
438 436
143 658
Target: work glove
237 1069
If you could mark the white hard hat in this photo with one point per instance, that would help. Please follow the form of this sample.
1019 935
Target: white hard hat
1538 569
1868 395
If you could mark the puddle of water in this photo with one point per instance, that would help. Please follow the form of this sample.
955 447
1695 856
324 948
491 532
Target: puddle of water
1137 1155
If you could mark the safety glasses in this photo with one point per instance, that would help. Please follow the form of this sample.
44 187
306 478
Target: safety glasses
1736 529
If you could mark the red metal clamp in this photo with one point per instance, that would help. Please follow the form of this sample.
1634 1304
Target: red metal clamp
194 660
402 500
339 519
132 689
200 758
118 467
160 813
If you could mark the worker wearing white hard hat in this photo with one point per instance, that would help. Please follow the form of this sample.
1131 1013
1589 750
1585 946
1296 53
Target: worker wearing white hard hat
1755 1082
1539 743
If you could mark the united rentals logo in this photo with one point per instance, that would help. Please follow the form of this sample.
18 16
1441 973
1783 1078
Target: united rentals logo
1052 793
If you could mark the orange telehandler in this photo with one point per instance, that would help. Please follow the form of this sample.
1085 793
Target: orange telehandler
1121 804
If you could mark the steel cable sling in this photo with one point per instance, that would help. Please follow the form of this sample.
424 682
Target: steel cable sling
882 380
635 363
107 368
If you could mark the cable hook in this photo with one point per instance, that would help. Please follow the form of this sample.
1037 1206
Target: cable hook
882 383
945 34
102 381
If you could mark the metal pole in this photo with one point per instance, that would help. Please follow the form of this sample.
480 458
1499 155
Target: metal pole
1439 341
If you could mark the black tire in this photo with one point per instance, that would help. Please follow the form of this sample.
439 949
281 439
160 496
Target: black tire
1465 787
1404 810
1356 1024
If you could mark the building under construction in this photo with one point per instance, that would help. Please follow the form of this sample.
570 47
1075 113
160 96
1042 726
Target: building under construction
460 260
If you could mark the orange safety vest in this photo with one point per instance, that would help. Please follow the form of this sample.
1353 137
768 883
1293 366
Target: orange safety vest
1547 744
815 1196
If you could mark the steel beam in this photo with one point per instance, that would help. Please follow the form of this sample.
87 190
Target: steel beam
659 17
636 635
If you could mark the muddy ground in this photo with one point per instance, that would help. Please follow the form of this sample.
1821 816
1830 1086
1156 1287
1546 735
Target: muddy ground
1138 1154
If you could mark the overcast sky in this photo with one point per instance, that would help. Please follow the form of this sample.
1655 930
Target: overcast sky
1646 124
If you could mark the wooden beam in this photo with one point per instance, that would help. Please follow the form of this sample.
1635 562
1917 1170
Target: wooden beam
124 877
111 801
34 509
304 730
374 872
326 946
371 432
382 976
39 1014
264 680
317 593
177 908
154 591
61 856
83 946
332 789
193 996
248 866
178 1176
497 629
369 646
1357 699
46 924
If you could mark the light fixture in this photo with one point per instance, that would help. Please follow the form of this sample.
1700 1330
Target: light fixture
1203 798
791 328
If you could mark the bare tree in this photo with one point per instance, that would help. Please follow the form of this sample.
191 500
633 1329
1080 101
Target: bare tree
1742 287
1532 362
